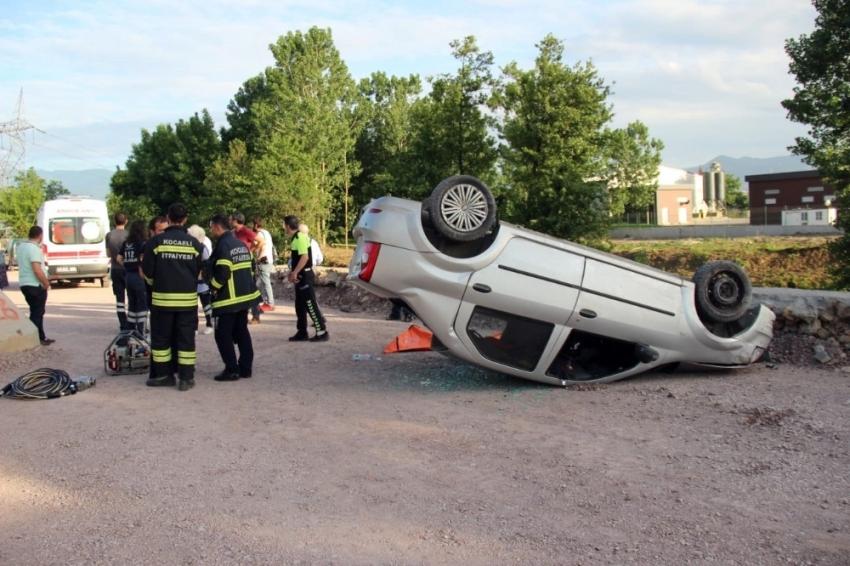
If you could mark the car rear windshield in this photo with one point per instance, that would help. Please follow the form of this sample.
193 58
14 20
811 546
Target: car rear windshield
75 230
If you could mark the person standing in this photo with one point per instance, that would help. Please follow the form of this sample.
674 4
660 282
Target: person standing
130 258
203 289
117 273
171 264
253 242
156 226
234 293
303 278
4 279
33 281
265 266
315 249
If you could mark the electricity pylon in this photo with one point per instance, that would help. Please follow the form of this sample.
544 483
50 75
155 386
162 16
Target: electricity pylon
12 146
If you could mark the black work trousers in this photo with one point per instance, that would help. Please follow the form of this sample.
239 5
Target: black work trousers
36 298
305 304
175 328
231 329
119 288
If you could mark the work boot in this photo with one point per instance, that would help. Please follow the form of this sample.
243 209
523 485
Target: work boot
186 384
163 381
226 376
323 337
254 320
299 337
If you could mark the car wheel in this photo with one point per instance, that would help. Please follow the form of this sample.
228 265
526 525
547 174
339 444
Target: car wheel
462 209
723 291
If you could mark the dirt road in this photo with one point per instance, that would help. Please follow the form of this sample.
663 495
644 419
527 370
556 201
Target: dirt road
415 459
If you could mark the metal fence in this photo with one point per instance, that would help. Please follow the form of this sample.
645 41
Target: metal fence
762 216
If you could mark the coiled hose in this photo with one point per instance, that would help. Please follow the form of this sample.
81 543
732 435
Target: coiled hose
43 383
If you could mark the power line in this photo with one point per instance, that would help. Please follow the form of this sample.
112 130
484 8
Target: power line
78 145
98 165
14 155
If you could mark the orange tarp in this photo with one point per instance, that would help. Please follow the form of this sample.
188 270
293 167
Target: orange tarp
414 339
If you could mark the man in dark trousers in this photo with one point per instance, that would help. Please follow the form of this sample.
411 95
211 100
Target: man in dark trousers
33 280
233 294
303 277
171 265
114 239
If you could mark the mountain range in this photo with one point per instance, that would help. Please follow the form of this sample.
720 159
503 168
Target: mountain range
95 182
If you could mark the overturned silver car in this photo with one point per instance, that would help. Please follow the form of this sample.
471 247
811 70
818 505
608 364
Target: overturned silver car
546 309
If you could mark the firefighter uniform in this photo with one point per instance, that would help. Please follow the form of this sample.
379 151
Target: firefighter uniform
171 264
234 293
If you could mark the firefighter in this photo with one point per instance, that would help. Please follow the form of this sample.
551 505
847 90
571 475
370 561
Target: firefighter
234 293
171 265
303 278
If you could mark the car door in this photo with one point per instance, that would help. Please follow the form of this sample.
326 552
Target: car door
513 308
630 303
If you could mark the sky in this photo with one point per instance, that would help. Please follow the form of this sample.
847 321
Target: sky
706 76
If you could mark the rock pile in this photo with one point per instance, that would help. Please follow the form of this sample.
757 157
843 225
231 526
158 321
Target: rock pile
813 316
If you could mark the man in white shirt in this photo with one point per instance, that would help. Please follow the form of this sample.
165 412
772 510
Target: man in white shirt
265 266
315 249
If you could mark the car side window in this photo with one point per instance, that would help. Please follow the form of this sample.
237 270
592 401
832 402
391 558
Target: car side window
586 356
508 339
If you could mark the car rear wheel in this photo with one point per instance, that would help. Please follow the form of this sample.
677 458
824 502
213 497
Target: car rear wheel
462 209
723 291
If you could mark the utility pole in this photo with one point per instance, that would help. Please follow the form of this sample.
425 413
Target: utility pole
12 146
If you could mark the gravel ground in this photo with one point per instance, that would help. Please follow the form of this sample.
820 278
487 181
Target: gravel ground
417 459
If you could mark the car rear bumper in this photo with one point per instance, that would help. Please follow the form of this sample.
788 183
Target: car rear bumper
84 271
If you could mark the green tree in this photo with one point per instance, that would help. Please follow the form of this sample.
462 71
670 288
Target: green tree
735 197
383 145
55 189
631 168
19 203
307 125
452 129
820 61
554 157
169 165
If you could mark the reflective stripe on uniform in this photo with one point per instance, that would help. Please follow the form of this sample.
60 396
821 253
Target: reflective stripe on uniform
176 249
186 358
161 299
236 301
161 356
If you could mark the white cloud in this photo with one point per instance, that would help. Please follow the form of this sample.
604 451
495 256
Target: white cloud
681 66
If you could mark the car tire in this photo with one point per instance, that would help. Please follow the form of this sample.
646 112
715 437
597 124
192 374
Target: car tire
723 291
462 209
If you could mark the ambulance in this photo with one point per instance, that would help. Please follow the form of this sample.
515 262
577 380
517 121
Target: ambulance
74 241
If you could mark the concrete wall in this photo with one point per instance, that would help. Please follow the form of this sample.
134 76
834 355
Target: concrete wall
719 231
